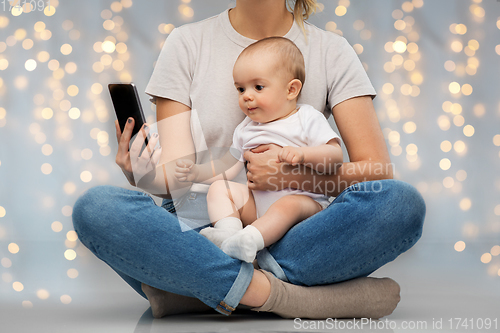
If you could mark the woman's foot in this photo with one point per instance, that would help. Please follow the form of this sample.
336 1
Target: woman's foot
362 297
164 303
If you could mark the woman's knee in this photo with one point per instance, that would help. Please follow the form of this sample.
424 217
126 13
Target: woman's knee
410 205
91 206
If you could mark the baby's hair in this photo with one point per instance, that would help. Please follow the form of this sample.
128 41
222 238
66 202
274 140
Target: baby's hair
290 61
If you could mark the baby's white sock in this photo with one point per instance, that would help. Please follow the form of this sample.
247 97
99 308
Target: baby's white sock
244 244
222 230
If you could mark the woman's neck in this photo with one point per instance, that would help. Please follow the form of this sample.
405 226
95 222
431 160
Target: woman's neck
258 19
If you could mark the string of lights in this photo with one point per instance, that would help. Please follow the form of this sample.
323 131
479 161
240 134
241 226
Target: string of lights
55 108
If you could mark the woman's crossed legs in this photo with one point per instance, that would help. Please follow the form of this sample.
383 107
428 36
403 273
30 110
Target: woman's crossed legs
144 243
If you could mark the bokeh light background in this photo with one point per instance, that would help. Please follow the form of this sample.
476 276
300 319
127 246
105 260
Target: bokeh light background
434 64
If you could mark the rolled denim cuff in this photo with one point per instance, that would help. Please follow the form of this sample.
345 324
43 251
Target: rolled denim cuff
238 289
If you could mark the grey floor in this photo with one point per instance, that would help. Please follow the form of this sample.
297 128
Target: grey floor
438 285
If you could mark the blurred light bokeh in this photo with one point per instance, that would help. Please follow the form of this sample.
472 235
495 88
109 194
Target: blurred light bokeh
434 64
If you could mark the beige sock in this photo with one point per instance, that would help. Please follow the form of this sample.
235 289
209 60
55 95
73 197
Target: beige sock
164 303
358 298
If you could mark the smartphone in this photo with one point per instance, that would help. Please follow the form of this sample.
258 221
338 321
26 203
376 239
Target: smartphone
127 104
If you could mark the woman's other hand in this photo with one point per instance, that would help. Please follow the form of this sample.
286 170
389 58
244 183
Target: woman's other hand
264 173
134 164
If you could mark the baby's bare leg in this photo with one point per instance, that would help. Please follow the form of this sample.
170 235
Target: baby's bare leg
266 230
230 199
284 214
229 204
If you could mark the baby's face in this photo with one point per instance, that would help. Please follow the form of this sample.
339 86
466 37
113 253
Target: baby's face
262 92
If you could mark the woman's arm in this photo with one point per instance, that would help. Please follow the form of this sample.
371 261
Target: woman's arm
369 158
173 122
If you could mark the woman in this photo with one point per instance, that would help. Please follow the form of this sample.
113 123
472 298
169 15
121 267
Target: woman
368 224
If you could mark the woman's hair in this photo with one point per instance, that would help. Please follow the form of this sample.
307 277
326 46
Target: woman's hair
302 9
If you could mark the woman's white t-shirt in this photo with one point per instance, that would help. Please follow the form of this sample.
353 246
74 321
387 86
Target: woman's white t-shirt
195 68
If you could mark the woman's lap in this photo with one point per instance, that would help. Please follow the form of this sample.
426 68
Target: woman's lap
368 225
143 242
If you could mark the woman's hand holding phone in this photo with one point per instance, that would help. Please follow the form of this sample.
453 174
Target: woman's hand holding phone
134 164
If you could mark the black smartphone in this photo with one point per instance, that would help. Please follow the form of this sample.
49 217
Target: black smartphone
127 104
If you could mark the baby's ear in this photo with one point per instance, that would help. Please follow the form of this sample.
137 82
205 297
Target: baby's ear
294 87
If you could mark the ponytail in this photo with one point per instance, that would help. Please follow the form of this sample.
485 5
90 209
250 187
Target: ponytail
302 9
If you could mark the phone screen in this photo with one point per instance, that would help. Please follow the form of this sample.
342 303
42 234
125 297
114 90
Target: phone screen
127 104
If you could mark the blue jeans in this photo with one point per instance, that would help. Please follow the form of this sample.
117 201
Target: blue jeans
368 225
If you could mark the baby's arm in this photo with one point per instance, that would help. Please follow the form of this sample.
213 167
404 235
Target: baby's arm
227 168
324 158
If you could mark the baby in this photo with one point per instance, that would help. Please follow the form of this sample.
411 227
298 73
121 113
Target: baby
268 76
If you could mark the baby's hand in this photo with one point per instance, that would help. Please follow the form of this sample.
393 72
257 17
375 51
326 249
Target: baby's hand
291 155
186 170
